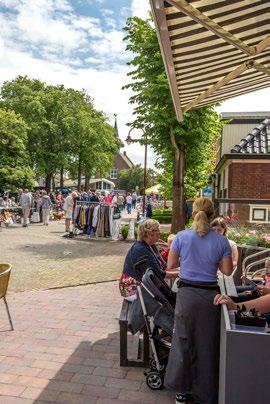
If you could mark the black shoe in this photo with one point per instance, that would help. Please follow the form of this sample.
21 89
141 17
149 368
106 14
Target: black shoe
180 398
183 398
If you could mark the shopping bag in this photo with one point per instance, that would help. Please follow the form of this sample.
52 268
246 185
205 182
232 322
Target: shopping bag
35 217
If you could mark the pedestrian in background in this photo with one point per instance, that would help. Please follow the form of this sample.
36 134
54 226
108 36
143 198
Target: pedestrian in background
129 203
26 204
134 200
46 205
68 208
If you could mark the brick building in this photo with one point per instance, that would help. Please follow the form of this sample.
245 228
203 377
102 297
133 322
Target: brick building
121 162
242 175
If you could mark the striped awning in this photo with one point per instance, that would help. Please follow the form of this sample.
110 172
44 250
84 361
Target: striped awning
213 49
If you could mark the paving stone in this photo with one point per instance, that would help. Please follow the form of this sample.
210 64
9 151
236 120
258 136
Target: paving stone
15 400
40 394
101 391
89 379
11 389
54 269
118 373
32 381
65 345
123 383
68 398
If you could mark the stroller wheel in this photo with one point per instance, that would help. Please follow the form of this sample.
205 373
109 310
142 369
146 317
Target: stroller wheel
153 365
154 380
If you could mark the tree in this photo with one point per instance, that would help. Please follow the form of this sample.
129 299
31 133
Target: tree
181 145
65 132
132 178
14 160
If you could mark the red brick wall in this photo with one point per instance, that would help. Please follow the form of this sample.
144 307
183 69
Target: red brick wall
120 163
249 180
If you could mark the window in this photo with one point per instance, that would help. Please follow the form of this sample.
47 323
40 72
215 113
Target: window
260 214
114 173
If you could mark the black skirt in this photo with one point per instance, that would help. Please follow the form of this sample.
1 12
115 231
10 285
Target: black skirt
193 365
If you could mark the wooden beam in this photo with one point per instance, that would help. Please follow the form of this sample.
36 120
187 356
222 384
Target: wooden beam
225 80
265 43
209 24
165 46
262 68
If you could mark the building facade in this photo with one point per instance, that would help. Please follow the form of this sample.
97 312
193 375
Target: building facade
121 162
241 183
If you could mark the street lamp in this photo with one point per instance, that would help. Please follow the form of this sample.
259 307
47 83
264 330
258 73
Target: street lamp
129 140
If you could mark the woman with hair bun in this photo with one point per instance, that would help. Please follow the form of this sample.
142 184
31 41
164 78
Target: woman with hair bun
193 365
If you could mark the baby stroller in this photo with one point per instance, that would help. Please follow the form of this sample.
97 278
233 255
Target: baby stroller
154 308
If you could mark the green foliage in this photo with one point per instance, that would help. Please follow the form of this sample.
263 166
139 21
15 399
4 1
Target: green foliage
164 235
14 159
64 130
133 177
155 112
241 234
124 231
162 215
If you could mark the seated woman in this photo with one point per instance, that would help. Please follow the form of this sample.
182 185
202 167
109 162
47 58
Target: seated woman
143 249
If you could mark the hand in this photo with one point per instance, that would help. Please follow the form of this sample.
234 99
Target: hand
263 290
220 299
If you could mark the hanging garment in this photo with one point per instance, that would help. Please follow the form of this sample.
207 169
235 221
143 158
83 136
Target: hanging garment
116 225
100 226
95 216
82 217
107 232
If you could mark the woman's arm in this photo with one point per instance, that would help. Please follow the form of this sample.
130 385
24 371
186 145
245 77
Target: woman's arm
262 304
173 260
172 270
226 266
234 255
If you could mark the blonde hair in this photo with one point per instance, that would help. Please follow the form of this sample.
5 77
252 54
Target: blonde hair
202 212
170 239
147 227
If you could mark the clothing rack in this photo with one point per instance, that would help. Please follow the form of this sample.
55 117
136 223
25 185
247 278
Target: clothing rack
87 203
95 222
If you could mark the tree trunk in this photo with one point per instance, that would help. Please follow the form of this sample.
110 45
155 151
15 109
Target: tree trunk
79 174
48 182
87 183
53 183
61 177
178 212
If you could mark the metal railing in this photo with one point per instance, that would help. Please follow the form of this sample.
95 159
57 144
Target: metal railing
246 268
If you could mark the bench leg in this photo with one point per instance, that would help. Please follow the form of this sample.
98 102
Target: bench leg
123 344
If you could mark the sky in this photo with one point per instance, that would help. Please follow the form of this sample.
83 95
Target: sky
79 43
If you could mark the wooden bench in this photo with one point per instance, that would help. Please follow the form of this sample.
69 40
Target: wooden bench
143 343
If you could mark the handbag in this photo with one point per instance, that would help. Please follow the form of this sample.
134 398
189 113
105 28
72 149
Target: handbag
127 286
35 217
116 213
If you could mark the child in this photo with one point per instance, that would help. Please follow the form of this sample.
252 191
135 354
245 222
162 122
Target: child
165 252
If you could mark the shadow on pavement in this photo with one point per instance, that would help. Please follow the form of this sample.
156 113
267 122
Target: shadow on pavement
92 375
71 249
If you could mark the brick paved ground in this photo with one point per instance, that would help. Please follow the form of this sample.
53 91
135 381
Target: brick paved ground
41 259
65 349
